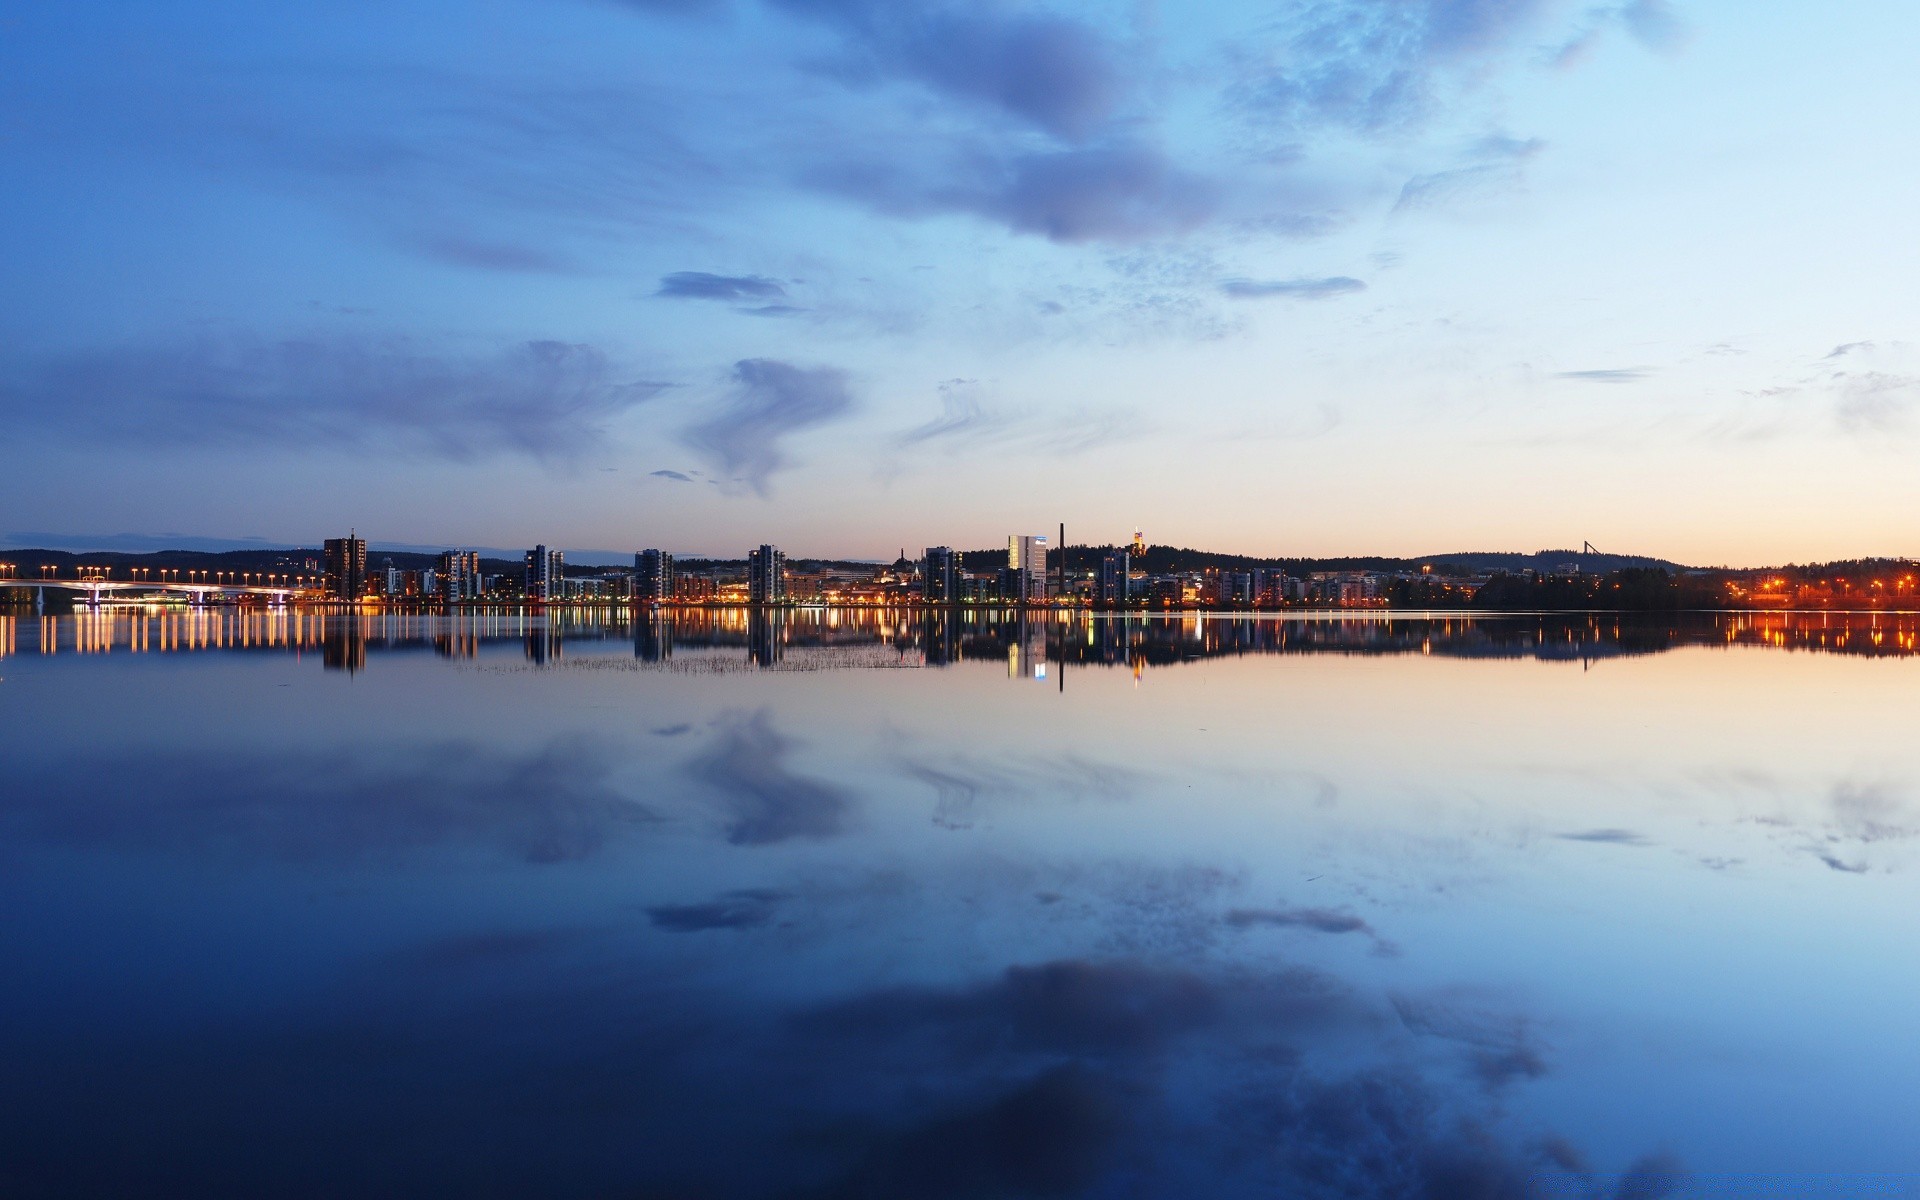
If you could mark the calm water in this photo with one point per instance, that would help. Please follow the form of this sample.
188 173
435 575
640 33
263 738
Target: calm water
877 906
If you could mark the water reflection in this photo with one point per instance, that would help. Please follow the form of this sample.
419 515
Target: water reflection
724 904
1026 643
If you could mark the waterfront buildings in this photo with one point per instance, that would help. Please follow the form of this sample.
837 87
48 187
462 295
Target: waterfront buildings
766 576
346 566
1026 581
653 580
941 584
546 572
459 576
1115 582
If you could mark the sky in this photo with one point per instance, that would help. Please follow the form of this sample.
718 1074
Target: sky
1293 277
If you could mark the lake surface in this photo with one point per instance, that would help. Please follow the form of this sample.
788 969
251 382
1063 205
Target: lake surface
904 906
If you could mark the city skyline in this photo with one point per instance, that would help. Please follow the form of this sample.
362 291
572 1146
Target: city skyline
1293 278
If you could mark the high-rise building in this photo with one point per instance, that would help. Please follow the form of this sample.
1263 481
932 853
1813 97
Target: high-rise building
941 584
1139 544
652 576
346 561
459 576
1027 559
546 574
1114 579
766 576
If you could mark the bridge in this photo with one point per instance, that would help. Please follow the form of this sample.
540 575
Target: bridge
95 589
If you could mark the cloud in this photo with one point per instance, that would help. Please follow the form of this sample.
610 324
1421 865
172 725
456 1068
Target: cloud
1054 73
1610 837
675 476
746 764
1375 68
1114 191
1846 348
747 908
1490 166
1606 375
771 401
545 399
1654 24
1299 289
698 285
1873 402
962 417
554 804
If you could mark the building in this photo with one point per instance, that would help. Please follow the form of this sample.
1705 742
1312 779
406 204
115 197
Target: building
652 577
942 582
1139 544
546 573
1114 579
459 576
1027 561
766 576
346 562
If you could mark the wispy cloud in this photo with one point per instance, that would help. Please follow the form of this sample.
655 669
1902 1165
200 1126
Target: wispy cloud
546 399
1376 68
770 402
1606 375
1489 166
699 285
1120 190
1609 837
1055 73
675 476
962 416
1873 402
1296 289
1652 23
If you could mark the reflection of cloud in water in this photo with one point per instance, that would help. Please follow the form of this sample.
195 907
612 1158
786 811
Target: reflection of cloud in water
1499 1046
553 804
964 781
746 763
1857 828
558 1064
1315 920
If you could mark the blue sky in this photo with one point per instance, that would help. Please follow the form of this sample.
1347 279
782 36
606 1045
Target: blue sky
1287 278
